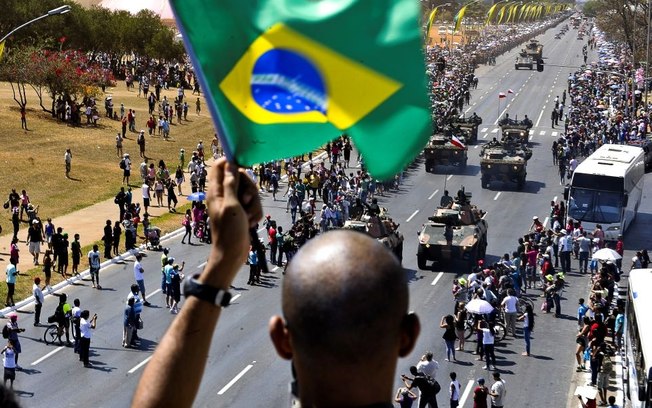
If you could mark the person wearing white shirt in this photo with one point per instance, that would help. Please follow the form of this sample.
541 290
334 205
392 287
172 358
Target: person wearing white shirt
427 365
509 305
86 324
38 300
454 390
139 277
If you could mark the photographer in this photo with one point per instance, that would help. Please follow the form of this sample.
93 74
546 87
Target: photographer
85 326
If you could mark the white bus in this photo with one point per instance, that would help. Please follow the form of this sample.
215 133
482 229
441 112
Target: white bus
606 189
637 365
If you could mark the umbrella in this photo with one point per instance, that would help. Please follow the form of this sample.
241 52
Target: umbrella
479 306
198 196
606 254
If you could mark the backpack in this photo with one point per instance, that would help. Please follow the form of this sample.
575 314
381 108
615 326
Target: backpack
123 165
5 332
433 385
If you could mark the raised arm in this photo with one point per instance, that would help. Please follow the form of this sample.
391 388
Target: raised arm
234 207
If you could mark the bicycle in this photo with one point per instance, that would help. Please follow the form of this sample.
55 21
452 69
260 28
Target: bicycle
54 333
470 329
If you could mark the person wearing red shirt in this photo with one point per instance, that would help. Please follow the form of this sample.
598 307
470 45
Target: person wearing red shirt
620 248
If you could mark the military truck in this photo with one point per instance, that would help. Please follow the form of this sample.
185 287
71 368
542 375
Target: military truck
505 161
534 49
515 130
382 228
457 232
441 150
467 127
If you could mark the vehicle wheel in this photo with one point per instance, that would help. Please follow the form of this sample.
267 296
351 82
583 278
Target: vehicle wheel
482 253
486 183
421 261
499 331
429 166
468 328
520 184
464 163
50 335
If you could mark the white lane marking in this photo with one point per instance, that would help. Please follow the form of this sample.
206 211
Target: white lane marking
555 133
439 275
540 115
449 177
495 130
50 354
484 130
467 391
545 222
531 137
142 363
236 378
201 265
555 199
234 298
543 132
412 216
484 136
260 230
155 292
433 194
475 147
497 195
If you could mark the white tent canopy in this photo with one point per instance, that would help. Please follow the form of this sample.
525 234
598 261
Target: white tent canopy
160 7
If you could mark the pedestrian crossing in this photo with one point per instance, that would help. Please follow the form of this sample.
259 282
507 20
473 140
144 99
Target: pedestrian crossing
552 133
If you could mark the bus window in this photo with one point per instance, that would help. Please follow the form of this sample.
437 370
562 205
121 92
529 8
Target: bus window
595 206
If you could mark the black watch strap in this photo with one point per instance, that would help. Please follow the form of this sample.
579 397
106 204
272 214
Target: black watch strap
207 293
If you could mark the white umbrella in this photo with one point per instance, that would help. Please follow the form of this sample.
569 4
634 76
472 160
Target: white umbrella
479 306
606 254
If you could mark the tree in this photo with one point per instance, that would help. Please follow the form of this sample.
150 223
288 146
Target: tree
15 70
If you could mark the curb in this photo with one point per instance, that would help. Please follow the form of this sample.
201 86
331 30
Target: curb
86 273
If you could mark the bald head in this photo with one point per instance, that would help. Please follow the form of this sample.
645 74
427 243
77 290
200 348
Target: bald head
344 298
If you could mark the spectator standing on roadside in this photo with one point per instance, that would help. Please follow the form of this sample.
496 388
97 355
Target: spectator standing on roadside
12 327
94 266
497 391
38 300
139 277
428 395
76 316
12 272
9 363
129 323
454 390
428 365
448 323
509 305
107 238
480 395
404 397
86 324
117 232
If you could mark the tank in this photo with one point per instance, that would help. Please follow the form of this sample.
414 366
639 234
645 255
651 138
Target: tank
456 233
504 161
467 127
534 49
441 151
381 227
524 61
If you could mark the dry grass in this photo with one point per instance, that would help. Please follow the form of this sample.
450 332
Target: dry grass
34 160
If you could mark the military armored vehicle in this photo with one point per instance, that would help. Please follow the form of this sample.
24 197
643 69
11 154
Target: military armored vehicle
381 227
444 151
524 61
455 233
515 130
467 127
534 49
505 161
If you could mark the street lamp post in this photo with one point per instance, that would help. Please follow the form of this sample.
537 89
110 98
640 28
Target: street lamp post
54 12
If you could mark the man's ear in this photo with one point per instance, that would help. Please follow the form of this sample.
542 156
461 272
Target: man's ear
410 329
280 337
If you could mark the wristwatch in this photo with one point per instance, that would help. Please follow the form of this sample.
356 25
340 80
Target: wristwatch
210 294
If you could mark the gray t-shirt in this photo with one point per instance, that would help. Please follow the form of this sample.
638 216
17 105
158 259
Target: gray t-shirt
498 388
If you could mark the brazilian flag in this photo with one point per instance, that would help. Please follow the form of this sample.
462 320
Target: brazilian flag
283 77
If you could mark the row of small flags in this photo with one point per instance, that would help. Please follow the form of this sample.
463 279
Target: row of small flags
502 95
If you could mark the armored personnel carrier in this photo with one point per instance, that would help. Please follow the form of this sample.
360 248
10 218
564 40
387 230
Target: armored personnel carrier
381 227
515 130
504 161
467 127
534 49
457 232
444 151
524 61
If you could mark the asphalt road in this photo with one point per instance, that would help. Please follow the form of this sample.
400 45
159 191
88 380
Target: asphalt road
243 369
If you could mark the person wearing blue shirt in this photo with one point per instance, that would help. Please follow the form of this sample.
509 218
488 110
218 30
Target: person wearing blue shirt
252 259
581 311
